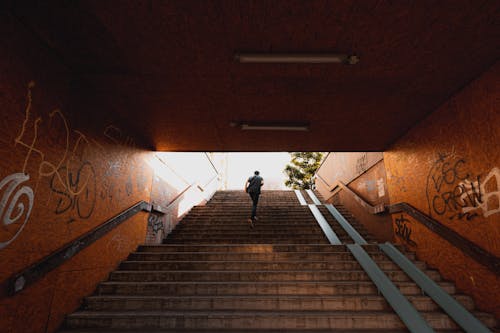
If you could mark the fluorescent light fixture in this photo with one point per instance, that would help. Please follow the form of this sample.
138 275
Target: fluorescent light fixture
293 58
257 126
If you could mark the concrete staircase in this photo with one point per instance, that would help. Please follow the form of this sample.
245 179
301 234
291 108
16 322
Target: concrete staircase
216 274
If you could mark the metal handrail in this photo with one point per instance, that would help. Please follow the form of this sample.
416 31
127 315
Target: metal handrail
453 308
353 233
473 250
400 304
403 308
300 197
213 166
19 281
313 197
327 229
211 180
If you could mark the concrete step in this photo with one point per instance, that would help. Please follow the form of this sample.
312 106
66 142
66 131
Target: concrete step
250 231
242 256
215 274
240 303
255 319
256 248
255 288
253 265
250 236
255 275
232 330
256 240
263 225
277 218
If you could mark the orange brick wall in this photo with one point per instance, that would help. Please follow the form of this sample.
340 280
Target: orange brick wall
448 167
66 167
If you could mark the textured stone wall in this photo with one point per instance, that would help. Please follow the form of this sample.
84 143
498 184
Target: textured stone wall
448 166
364 174
67 166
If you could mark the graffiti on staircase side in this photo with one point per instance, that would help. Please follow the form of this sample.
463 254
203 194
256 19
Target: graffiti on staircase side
71 175
59 157
155 223
403 230
78 194
125 159
456 193
361 163
490 190
156 227
15 206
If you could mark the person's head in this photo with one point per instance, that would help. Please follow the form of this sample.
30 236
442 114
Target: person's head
256 173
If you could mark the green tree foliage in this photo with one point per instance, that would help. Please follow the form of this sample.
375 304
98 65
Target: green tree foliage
301 170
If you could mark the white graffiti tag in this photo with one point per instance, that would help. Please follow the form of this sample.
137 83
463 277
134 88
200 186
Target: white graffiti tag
11 200
489 202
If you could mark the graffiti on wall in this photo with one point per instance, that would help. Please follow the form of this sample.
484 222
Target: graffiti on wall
489 189
456 193
361 163
15 205
403 230
155 223
50 149
71 175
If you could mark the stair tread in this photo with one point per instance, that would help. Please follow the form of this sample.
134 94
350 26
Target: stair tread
232 276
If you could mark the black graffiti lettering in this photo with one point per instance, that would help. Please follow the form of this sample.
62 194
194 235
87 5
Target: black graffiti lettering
468 216
456 199
449 190
474 195
448 175
361 163
76 191
456 169
403 230
64 202
156 223
439 205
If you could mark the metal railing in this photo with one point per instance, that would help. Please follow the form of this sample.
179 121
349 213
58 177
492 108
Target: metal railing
400 304
19 281
467 247
404 309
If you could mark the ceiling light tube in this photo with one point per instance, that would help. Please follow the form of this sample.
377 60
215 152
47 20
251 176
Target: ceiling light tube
306 58
273 127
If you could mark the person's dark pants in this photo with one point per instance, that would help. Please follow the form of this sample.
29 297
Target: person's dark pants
255 201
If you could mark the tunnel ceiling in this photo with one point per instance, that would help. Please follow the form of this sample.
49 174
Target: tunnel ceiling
168 68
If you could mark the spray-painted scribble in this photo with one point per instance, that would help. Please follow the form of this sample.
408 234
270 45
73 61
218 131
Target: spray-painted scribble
155 222
78 195
455 192
403 230
488 199
12 208
361 163
72 177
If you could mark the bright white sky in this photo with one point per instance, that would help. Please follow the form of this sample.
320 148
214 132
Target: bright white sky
240 166
185 168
